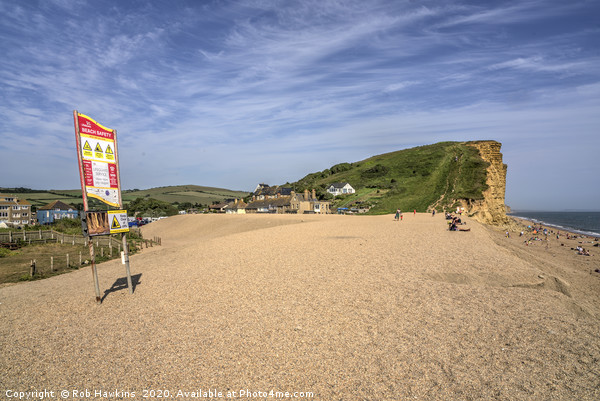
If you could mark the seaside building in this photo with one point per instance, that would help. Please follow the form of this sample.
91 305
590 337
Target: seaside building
238 206
284 200
15 211
55 211
340 188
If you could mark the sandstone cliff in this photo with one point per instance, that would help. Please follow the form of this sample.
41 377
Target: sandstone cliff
491 209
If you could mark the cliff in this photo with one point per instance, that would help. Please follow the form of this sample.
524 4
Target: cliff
491 209
440 176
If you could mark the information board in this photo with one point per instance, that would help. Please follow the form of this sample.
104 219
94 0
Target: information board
97 150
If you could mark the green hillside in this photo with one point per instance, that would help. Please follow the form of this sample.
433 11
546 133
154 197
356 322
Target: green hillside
193 194
418 178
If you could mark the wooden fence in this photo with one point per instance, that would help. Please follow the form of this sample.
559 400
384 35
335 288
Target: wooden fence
51 263
45 236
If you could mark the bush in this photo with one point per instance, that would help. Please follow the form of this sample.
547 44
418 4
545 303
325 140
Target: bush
379 170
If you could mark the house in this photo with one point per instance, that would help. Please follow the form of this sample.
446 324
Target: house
263 191
340 188
218 207
238 206
15 211
55 211
286 202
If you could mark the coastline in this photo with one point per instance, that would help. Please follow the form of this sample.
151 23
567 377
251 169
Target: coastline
553 226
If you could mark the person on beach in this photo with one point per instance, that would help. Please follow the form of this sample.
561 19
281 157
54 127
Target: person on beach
415 212
397 217
433 213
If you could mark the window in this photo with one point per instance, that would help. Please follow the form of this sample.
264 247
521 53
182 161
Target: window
3 214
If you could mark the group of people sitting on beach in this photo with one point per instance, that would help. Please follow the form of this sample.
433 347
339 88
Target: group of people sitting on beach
454 222
582 251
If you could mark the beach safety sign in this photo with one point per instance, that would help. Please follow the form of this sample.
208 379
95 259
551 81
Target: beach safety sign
118 221
97 151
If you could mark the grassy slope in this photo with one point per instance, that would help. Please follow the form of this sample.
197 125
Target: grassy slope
408 179
181 193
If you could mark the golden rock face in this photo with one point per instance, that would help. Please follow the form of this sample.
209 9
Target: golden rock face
491 210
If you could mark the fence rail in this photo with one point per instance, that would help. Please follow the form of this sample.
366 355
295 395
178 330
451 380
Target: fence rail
43 236
44 263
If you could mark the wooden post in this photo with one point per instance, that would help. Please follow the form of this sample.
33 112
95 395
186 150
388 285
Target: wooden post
67 260
10 236
32 268
51 263
73 239
79 258
110 248
126 257
102 252
40 233
95 272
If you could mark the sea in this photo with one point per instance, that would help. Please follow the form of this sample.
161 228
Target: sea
587 223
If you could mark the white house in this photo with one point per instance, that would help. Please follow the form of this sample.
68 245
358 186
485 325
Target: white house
340 188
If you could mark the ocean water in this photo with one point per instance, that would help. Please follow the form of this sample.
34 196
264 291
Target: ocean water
581 222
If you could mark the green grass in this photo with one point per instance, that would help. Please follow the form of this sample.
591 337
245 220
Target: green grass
173 194
408 179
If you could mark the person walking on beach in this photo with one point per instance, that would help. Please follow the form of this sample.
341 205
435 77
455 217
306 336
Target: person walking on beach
433 213
415 212
397 217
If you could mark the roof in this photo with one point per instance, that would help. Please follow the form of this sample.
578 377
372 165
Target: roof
15 200
339 184
272 191
269 202
57 205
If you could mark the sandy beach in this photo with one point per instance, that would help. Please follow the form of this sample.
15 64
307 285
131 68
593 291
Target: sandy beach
327 307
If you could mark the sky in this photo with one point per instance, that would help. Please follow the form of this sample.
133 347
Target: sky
235 93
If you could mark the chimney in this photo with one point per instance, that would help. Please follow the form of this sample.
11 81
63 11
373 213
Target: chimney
314 196
306 194
293 195
253 198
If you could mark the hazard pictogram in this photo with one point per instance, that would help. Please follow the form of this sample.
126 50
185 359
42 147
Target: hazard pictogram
87 146
98 148
115 224
109 153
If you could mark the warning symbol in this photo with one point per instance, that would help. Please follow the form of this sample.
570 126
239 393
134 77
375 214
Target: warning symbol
99 151
87 149
109 153
118 221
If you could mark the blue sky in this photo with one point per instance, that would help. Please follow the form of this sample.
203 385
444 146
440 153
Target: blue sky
230 94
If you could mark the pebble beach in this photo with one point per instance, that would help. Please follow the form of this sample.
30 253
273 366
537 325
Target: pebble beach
323 307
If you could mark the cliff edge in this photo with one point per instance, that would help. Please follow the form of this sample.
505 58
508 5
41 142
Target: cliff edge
491 209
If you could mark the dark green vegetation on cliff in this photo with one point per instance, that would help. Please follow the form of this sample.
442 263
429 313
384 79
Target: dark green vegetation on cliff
417 178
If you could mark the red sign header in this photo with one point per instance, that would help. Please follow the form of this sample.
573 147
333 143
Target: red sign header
87 126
